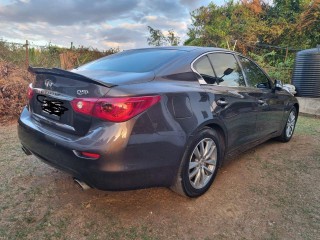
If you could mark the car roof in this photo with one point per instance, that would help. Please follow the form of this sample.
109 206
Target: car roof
182 48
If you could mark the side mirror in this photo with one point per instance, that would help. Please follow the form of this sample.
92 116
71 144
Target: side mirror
278 85
227 71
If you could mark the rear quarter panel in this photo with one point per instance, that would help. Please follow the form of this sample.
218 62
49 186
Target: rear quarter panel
183 110
184 105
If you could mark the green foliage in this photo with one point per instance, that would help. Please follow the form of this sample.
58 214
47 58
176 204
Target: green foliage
249 22
254 26
157 38
172 38
86 54
14 53
44 57
47 56
276 67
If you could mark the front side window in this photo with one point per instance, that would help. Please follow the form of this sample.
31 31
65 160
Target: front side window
227 70
255 77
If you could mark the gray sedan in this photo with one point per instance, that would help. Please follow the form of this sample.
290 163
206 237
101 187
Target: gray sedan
151 117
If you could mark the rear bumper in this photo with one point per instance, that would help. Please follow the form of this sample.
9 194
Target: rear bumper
126 162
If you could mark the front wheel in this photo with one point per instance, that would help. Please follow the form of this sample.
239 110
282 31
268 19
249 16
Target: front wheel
199 165
290 126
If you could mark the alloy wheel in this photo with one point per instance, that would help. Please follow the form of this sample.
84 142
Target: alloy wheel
202 163
290 124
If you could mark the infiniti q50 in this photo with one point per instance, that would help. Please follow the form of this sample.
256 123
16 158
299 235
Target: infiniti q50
165 116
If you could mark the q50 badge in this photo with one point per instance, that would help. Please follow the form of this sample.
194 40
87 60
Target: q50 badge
82 92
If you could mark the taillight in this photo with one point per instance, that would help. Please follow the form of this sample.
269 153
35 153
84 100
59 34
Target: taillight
114 109
30 91
84 105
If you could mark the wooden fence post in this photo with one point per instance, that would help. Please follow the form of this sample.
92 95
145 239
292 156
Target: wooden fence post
27 54
285 59
234 46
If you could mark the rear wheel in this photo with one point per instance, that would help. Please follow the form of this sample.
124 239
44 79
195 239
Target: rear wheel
199 165
290 126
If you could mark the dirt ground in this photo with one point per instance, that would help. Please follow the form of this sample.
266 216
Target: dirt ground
269 192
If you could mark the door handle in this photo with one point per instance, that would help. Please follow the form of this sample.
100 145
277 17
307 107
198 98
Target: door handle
222 102
262 102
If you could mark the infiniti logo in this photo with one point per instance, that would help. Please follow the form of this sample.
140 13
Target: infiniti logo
48 83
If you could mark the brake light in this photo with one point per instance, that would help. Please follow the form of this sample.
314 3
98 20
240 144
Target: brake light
114 109
30 92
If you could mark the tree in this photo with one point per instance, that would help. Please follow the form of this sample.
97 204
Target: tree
222 25
268 32
308 26
157 38
172 39
293 23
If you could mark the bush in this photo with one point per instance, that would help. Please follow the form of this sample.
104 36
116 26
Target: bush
274 66
14 82
14 77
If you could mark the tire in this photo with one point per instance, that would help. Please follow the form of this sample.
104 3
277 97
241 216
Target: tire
199 165
288 129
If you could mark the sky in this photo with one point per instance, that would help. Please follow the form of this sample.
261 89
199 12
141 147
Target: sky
101 24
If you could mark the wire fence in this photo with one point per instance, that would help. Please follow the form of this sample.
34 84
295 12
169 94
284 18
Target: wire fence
276 60
49 55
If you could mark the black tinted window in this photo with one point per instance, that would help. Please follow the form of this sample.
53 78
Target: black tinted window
133 61
255 77
204 68
227 69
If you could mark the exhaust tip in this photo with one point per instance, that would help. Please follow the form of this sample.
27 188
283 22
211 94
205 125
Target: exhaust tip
81 184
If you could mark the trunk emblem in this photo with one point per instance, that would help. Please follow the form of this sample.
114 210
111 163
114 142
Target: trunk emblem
82 92
48 83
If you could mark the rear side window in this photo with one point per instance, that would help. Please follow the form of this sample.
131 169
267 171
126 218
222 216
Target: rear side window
134 61
255 77
204 68
227 69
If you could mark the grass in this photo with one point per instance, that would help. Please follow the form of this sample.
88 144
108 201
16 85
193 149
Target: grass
270 192
308 126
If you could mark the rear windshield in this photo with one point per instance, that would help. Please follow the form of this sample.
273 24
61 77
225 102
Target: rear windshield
133 61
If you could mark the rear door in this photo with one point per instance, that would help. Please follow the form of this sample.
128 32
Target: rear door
228 96
270 104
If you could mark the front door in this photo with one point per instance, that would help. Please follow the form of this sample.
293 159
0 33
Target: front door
228 97
270 104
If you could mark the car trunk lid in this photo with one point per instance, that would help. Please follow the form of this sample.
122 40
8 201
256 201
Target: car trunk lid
53 91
